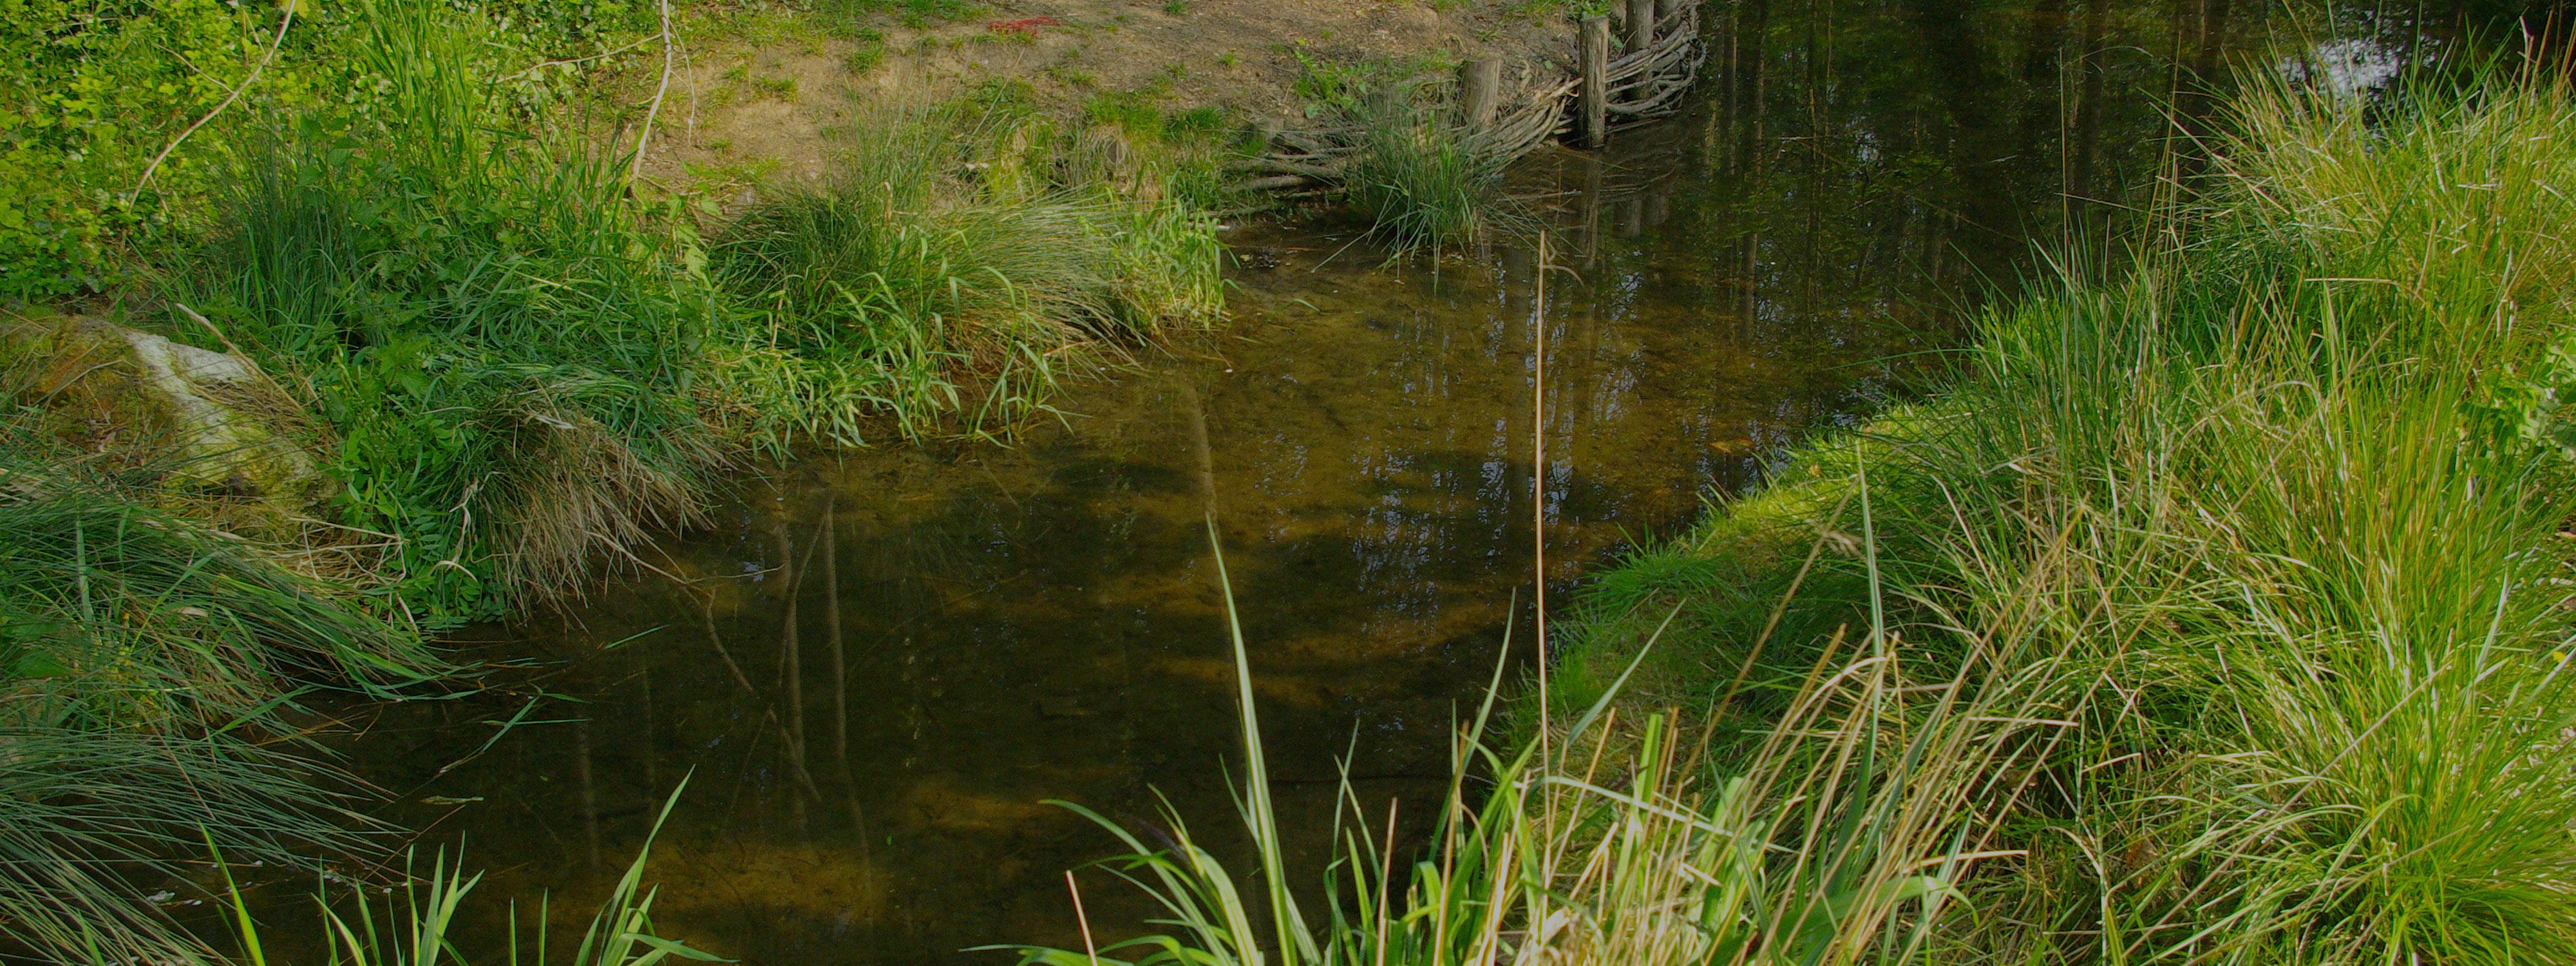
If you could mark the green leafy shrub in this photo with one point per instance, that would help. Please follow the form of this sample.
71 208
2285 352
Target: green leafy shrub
2531 407
87 98
92 94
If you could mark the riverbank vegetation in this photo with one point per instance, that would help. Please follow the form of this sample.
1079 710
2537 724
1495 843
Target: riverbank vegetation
1613 842
1421 181
521 359
2209 613
334 326
880 290
150 663
2281 502
2212 612
382 332
1415 169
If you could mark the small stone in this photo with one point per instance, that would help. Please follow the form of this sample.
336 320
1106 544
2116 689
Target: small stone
228 426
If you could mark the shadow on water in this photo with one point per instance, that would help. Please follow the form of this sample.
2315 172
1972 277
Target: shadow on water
884 660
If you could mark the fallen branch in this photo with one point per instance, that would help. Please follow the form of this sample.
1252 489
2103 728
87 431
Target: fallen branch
642 137
543 64
273 44
1643 84
1278 181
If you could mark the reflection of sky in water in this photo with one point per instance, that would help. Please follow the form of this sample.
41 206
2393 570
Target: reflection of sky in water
2350 67
1040 621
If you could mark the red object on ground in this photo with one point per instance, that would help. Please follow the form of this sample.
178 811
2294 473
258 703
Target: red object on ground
1024 25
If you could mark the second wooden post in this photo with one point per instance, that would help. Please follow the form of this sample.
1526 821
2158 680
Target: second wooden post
1480 84
1594 97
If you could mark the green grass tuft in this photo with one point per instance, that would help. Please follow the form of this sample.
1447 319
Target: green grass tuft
496 331
1422 182
148 666
1420 178
951 272
2285 497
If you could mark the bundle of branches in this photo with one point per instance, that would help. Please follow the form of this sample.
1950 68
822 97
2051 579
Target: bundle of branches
1644 82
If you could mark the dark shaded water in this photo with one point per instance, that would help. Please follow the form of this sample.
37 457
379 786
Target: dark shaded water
882 662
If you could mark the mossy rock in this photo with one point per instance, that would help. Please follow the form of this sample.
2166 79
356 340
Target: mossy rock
210 421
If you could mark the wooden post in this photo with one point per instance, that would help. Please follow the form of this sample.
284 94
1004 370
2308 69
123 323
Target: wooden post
1594 99
1480 87
1641 24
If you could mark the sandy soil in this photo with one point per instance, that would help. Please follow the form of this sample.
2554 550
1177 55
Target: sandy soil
766 96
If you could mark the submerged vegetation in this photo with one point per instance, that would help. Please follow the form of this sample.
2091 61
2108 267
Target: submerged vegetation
2212 613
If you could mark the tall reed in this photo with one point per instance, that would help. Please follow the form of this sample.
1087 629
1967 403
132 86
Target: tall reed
1844 838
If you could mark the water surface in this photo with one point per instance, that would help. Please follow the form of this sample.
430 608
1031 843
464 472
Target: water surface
876 666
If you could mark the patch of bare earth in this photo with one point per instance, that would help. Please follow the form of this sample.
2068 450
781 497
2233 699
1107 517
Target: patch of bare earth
773 106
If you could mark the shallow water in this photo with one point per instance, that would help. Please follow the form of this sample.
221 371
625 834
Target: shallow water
882 662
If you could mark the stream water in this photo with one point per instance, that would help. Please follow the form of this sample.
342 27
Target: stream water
883 662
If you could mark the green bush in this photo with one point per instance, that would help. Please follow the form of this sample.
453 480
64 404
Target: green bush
92 93
87 97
